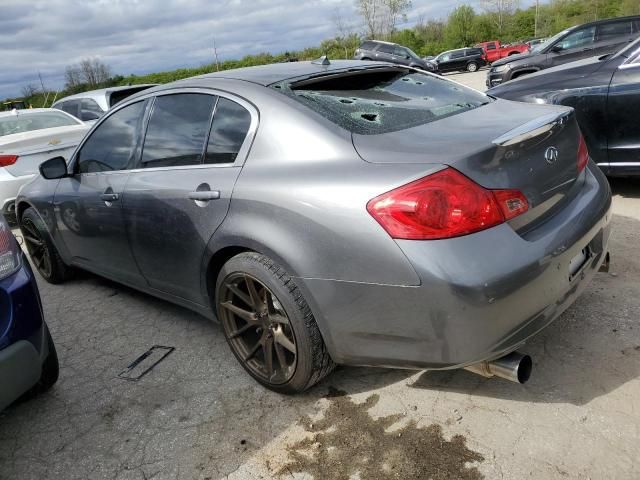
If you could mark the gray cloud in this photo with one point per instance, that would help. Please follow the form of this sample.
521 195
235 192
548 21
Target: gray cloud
141 36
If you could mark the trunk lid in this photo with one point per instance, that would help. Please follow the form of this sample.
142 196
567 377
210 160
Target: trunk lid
502 145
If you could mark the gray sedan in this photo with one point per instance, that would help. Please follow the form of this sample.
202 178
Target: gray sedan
359 214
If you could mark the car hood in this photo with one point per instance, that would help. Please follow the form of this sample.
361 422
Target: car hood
543 79
511 59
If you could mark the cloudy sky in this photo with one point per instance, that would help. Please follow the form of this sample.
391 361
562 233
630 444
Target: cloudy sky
141 36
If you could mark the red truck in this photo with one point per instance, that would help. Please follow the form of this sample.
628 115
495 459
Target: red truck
494 50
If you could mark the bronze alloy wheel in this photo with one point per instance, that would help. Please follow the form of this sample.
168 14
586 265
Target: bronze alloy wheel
258 328
37 247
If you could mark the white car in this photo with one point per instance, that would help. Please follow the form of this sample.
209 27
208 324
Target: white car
28 138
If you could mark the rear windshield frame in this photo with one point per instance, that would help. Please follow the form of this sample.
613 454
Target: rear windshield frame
387 106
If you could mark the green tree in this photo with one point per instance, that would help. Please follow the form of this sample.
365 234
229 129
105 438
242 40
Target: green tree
459 31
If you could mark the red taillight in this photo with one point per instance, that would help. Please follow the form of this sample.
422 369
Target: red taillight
444 205
583 154
6 160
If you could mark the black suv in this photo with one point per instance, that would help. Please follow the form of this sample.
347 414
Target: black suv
388 52
589 40
462 59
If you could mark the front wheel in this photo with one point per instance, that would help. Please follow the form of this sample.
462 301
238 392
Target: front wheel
472 67
269 326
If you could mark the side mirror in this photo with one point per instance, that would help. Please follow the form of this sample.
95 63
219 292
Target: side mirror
556 49
53 168
89 116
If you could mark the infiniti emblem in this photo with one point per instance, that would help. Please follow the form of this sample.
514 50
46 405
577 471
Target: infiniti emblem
551 155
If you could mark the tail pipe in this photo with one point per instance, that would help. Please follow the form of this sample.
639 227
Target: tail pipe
515 367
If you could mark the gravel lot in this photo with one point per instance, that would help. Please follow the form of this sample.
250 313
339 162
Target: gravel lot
198 415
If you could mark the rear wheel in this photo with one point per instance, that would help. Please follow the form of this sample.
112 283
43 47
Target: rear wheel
41 249
269 325
472 67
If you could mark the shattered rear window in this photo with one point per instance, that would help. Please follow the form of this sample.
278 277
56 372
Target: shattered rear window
375 101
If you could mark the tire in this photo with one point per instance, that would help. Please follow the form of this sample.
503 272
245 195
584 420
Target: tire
277 316
50 370
50 367
41 249
472 67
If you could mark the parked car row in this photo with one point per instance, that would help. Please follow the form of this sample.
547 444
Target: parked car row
595 38
330 213
605 93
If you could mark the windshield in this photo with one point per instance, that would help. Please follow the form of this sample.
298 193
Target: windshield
374 101
538 48
27 122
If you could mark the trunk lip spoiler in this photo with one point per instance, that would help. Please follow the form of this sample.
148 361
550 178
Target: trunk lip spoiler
533 128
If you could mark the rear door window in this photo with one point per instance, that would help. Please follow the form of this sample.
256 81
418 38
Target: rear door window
386 48
383 100
113 144
90 110
457 54
177 130
367 46
231 123
72 107
609 31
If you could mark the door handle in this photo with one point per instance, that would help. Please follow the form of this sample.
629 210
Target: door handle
204 195
109 197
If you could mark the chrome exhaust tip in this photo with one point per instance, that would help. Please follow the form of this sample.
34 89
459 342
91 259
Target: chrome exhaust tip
515 367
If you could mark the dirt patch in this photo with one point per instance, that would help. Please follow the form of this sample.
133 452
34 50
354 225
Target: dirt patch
348 441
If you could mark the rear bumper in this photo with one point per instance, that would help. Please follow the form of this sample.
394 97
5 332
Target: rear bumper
9 187
23 339
481 296
20 369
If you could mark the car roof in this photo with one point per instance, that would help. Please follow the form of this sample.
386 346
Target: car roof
273 73
608 20
102 92
379 41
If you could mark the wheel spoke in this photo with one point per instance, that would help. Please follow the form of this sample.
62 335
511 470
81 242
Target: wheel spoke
240 294
244 314
254 350
282 339
38 259
32 240
241 330
277 318
280 355
268 356
256 302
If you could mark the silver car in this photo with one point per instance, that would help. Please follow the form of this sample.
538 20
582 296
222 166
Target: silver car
91 105
28 138
345 213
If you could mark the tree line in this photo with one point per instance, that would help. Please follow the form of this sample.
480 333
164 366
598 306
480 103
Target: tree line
500 20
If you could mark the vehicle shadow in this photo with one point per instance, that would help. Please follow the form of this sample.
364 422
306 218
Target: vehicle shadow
627 187
591 350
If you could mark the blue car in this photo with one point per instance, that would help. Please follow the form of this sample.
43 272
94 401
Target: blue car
28 359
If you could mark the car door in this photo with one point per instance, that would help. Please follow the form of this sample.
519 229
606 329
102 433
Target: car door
458 60
180 194
401 56
88 203
611 36
444 62
575 46
384 53
622 123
